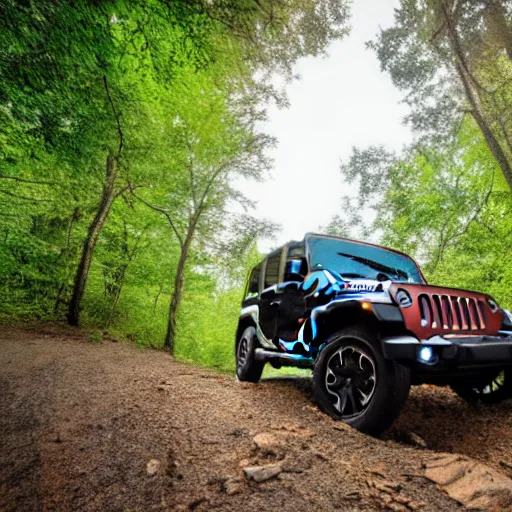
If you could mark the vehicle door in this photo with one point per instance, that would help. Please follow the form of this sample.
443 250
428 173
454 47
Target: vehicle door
292 306
270 298
282 301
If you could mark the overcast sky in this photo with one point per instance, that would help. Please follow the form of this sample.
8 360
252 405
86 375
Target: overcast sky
339 102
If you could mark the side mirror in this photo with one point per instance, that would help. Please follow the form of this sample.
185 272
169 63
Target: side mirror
293 266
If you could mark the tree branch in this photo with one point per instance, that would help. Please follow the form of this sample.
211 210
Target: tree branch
163 211
476 214
25 198
209 184
116 115
23 180
121 191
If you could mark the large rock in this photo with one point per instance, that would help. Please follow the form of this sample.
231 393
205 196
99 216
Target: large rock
471 483
262 473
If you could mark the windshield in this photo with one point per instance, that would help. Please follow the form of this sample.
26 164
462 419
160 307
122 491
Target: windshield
354 260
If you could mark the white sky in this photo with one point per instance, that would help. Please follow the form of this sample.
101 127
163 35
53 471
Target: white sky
339 102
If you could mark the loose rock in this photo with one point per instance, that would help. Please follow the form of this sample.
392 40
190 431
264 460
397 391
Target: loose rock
471 483
152 467
414 439
262 473
232 486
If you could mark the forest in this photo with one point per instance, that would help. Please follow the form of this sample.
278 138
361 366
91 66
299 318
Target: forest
124 126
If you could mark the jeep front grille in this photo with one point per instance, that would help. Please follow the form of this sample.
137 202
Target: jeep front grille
434 310
450 312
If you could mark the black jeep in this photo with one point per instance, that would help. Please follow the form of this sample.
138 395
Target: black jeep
365 320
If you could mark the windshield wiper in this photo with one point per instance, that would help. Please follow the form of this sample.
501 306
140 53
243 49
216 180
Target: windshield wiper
375 265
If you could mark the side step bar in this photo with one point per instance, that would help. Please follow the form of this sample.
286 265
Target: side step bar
283 359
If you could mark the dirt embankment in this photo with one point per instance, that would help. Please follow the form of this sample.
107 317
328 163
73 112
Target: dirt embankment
111 427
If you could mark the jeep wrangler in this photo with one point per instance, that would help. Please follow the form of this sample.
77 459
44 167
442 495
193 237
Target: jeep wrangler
364 319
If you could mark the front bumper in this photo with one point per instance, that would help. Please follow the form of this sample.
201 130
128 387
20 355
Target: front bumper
455 351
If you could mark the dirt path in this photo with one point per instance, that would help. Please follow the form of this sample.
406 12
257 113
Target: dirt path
79 423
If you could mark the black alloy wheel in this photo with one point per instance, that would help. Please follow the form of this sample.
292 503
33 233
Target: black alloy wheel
491 388
350 380
248 369
355 384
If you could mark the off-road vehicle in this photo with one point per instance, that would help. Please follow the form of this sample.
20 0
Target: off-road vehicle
365 320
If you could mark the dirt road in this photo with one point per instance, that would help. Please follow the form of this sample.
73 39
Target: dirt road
79 423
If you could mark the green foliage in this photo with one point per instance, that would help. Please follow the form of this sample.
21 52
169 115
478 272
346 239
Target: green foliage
168 92
452 59
95 336
448 207
274 34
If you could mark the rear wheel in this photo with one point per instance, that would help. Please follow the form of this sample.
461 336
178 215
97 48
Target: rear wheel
355 384
247 368
491 388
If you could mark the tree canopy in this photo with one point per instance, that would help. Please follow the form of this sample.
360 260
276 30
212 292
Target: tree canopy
123 126
453 59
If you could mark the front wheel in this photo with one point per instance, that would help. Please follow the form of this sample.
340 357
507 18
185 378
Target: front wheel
247 368
491 388
355 384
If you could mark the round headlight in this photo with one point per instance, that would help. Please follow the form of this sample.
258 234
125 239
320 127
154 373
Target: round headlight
403 298
492 304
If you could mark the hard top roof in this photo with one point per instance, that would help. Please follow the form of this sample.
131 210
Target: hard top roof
298 243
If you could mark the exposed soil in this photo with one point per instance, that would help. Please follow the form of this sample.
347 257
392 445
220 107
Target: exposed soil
79 423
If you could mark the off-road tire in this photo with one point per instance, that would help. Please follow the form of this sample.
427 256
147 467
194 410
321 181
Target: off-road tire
392 382
471 389
248 369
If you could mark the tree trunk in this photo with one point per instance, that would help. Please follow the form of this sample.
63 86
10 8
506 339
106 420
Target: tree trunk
490 138
116 297
62 288
477 110
170 336
501 30
92 237
155 304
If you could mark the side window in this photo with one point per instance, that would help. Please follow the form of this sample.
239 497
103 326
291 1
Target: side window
296 252
272 270
254 280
